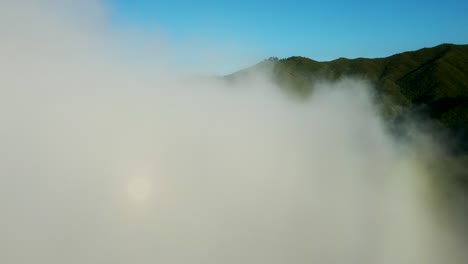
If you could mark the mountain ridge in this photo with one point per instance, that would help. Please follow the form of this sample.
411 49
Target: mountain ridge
431 80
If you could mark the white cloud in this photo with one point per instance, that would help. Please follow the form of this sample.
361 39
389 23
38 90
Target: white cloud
106 159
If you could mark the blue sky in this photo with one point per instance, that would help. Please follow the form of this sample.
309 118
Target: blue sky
322 30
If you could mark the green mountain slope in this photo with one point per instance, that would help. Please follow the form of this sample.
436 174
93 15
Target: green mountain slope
430 80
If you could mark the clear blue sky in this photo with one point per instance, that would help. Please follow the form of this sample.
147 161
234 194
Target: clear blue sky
322 30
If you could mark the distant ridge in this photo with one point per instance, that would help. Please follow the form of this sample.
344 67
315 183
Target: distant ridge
434 79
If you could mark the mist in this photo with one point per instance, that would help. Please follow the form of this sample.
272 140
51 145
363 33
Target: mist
113 152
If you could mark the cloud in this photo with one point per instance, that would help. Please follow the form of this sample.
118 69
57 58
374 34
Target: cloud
108 157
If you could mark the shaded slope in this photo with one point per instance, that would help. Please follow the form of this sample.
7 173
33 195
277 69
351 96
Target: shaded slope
433 81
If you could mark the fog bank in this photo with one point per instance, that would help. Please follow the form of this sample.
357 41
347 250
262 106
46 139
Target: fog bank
111 154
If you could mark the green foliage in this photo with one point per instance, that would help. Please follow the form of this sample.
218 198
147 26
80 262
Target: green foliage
436 78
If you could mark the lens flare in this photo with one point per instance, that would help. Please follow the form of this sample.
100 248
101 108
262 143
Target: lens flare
139 189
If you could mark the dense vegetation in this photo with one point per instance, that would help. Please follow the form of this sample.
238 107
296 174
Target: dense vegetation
432 82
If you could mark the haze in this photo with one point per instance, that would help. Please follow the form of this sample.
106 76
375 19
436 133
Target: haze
112 154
